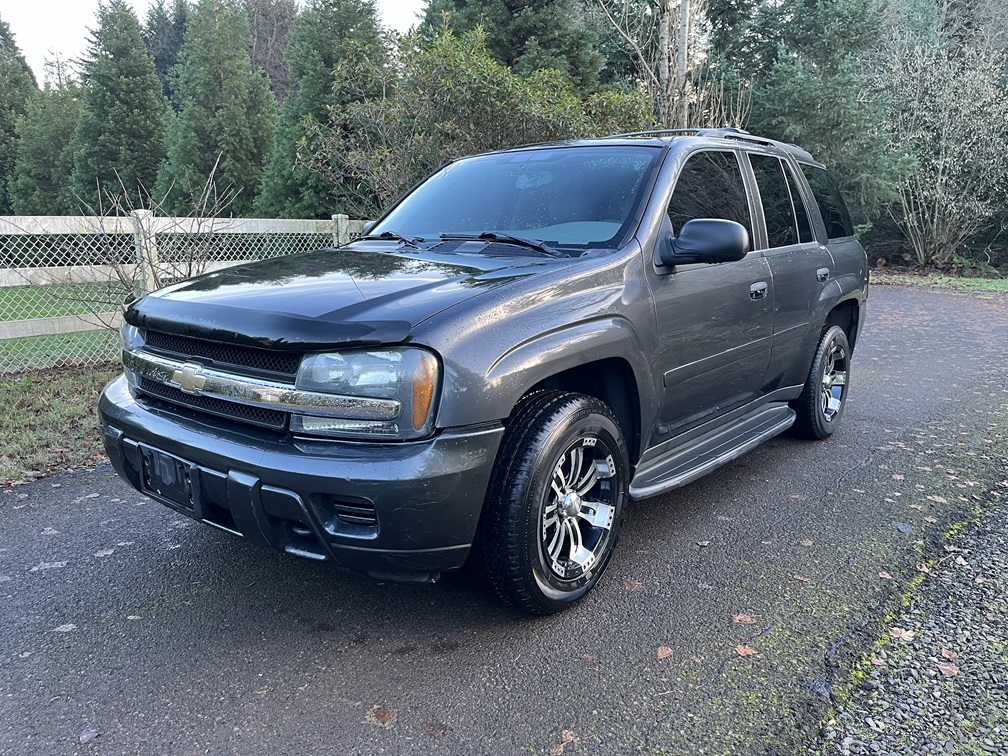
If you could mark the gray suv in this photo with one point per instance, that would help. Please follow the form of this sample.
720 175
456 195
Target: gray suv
522 344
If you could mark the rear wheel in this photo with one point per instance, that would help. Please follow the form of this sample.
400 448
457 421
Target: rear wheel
556 502
822 400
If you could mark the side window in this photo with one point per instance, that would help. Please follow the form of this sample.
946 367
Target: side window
801 212
710 186
831 204
776 199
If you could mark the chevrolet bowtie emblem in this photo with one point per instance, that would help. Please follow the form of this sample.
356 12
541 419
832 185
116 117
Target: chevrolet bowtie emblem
189 379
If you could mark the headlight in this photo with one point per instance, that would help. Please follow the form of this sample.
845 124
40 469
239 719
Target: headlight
408 377
130 337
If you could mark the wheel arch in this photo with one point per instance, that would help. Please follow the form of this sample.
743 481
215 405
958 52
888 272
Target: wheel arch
613 383
847 315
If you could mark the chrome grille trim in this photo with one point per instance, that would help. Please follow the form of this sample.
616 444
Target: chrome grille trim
199 380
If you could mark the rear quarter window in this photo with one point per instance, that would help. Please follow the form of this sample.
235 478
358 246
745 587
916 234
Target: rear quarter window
831 205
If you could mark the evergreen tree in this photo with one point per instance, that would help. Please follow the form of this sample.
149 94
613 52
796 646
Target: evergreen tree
119 140
270 23
17 85
163 34
528 35
438 99
40 184
318 42
226 115
810 89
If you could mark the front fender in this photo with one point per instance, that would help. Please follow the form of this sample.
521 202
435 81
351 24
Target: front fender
531 362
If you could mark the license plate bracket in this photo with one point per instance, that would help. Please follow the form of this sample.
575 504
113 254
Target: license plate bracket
168 478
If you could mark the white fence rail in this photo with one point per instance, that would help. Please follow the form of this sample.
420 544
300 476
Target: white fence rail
63 279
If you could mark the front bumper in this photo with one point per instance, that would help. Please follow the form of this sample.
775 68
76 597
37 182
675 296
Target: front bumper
403 511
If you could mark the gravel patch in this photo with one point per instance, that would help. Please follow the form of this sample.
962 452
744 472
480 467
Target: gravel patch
938 683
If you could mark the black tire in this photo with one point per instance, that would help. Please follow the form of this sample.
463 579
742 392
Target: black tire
556 502
822 401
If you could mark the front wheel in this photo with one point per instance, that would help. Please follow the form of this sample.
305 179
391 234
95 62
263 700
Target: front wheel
822 400
556 502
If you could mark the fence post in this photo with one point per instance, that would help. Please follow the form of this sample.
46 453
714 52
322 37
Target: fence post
341 229
145 250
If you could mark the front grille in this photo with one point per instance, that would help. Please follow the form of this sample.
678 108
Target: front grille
257 415
268 360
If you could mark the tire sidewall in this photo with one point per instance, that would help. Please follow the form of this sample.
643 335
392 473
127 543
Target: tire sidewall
590 419
821 426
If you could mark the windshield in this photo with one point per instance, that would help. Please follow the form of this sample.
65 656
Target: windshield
563 196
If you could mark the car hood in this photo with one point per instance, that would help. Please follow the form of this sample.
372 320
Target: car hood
329 297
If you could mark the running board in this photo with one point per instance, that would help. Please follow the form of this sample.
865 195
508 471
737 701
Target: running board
684 465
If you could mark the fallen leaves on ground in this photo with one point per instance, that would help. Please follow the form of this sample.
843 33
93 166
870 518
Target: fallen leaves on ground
434 728
900 633
703 544
807 542
634 586
378 716
885 575
744 650
949 654
566 738
803 579
743 619
949 670
664 652
878 662
88 735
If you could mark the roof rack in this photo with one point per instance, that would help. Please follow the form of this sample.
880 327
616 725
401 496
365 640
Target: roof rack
724 132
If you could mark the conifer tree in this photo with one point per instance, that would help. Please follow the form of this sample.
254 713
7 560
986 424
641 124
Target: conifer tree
163 34
17 85
528 35
318 42
40 184
119 140
226 114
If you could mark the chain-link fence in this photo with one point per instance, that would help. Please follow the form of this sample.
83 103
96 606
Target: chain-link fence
63 281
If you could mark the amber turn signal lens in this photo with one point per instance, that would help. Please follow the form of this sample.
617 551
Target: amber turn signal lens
423 390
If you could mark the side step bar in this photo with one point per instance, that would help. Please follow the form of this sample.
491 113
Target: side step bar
686 464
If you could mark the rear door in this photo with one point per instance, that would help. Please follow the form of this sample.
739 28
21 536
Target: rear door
801 266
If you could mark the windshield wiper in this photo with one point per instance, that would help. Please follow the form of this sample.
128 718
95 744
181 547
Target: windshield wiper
535 244
409 241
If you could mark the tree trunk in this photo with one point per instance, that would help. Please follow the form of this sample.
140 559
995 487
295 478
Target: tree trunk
682 102
665 94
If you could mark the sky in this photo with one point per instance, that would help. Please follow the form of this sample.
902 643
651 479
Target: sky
42 27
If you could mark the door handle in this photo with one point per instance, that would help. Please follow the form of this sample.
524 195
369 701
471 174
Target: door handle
822 275
758 290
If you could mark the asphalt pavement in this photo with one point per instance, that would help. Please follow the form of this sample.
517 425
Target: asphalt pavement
738 615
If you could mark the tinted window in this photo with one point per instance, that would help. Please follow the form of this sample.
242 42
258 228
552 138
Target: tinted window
801 212
710 186
831 204
776 200
568 196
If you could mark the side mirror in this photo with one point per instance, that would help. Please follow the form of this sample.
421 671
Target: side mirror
706 240
368 225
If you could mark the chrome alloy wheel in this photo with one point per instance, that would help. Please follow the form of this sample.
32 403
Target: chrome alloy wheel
577 515
834 382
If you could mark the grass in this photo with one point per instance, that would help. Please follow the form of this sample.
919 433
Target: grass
64 350
938 281
49 423
26 302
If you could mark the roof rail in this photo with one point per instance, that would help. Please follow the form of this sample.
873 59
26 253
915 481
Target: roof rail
723 132
653 132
